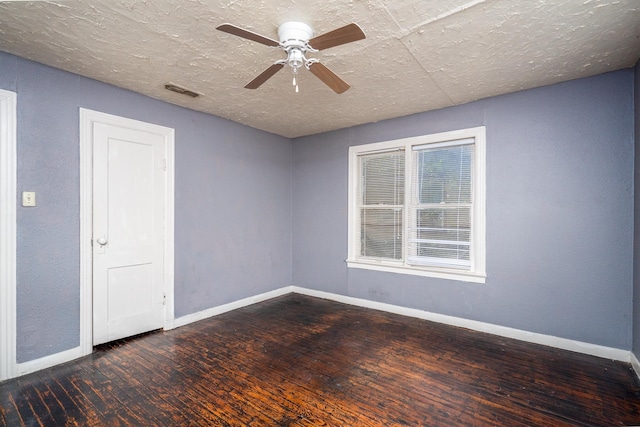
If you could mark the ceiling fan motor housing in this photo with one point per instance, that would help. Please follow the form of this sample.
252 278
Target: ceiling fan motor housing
294 34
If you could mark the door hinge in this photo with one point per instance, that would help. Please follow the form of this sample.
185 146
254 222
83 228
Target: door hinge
164 299
164 165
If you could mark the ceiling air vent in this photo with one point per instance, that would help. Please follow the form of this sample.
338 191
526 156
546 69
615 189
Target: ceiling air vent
181 90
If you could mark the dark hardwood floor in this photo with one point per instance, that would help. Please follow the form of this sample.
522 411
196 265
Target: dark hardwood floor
301 361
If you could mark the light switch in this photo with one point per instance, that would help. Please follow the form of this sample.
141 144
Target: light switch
28 198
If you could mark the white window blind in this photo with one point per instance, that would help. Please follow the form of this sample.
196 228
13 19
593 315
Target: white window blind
381 205
417 205
441 207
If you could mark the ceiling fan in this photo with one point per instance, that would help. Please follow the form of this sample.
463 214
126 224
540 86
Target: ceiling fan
296 39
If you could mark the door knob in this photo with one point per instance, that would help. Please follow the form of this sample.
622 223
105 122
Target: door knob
101 241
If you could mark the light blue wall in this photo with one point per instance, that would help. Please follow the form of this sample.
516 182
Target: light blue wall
559 212
232 202
559 225
636 246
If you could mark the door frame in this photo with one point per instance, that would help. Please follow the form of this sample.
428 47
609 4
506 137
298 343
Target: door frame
87 120
8 196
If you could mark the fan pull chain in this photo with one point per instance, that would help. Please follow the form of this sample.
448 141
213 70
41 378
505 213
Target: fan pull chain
295 82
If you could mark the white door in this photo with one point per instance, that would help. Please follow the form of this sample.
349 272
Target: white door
128 231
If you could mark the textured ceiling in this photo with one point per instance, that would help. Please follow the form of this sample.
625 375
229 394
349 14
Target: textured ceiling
419 55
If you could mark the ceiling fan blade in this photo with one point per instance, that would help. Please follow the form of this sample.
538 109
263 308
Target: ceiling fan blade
347 34
328 77
266 75
250 35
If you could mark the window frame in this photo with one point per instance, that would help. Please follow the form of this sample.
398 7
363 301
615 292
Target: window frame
477 271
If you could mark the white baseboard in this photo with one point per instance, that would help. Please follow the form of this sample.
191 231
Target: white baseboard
49 361
214 311
75 353
503 331
548 340
635 363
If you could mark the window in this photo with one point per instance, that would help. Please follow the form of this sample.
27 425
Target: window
416 205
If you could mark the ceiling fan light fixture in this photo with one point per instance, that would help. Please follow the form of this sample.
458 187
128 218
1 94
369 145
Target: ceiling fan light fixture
295 58
294 37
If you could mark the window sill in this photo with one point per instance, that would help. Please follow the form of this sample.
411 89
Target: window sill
440 273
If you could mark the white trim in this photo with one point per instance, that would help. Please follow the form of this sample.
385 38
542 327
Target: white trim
503 331
86 232
433 272
477 272
49 361
80 351
532 337
634 363
214 311
444 144
480 203
87 120
169 230
8 194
